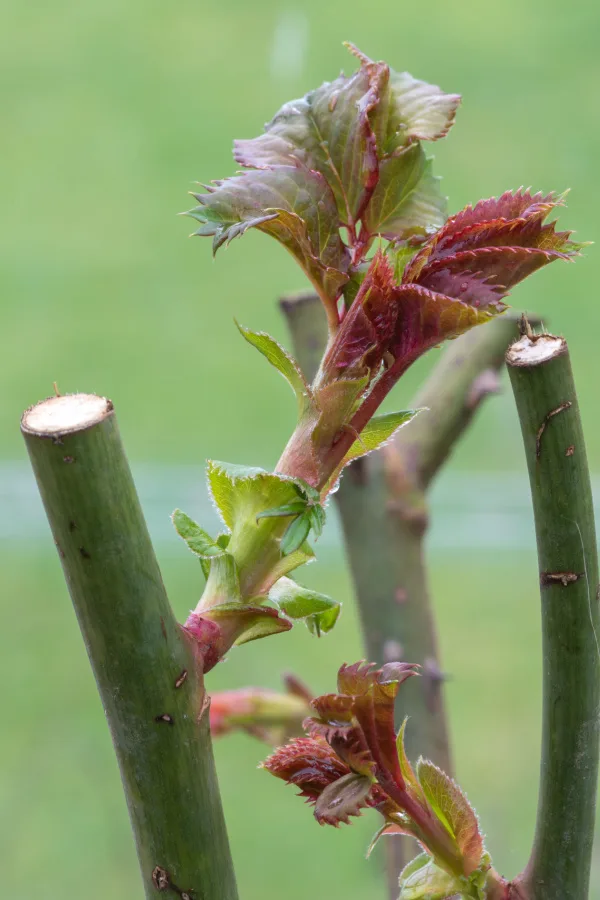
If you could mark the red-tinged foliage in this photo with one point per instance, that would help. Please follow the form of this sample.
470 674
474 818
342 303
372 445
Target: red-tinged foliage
456 280
510 205
206 637
447 799
354 760
345 158
308 763
482 277
355 679
512 221
367 328
336 723
346 797
357 727
218 628
334 710
530 232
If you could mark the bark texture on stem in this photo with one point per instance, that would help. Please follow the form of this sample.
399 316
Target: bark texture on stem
383 509
145 669
542 381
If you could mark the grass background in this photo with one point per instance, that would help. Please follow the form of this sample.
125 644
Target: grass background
110 112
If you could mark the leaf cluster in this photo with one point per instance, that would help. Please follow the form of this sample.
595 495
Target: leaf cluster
334 170
250 500
352 759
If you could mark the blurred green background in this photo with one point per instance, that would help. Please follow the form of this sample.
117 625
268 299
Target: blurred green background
110 111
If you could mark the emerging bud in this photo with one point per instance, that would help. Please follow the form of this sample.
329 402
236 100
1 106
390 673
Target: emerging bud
353 759
308 763
267 715
355 728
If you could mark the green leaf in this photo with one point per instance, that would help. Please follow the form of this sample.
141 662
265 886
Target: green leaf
345 130
249 623
281 512
399 255
304 554
296 533
283 362
377 431
317 519
322 623
293 205
225 580
251 498
242 493
386 828
407 199
418 111
454 812
297 602
328 130
405 767
421 879
398 824
198 541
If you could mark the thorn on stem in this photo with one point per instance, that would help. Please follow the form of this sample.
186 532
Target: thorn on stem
393 651
181 678
433 680
564 578
166 718
486 383
525 329
401 596
160 879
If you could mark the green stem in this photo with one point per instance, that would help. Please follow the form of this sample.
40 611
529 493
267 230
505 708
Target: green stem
383 509
542 381
149 683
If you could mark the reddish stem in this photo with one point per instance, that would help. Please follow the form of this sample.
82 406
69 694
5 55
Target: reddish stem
366 411
435 837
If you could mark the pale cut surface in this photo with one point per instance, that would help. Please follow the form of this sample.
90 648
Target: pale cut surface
59 415
527 352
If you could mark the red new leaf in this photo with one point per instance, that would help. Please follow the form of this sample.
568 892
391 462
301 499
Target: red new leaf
309 764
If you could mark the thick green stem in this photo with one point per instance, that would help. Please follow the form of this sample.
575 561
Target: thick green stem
542 381
145 668
383 509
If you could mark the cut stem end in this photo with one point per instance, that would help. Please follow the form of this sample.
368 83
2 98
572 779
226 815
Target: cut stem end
65 415
532 351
